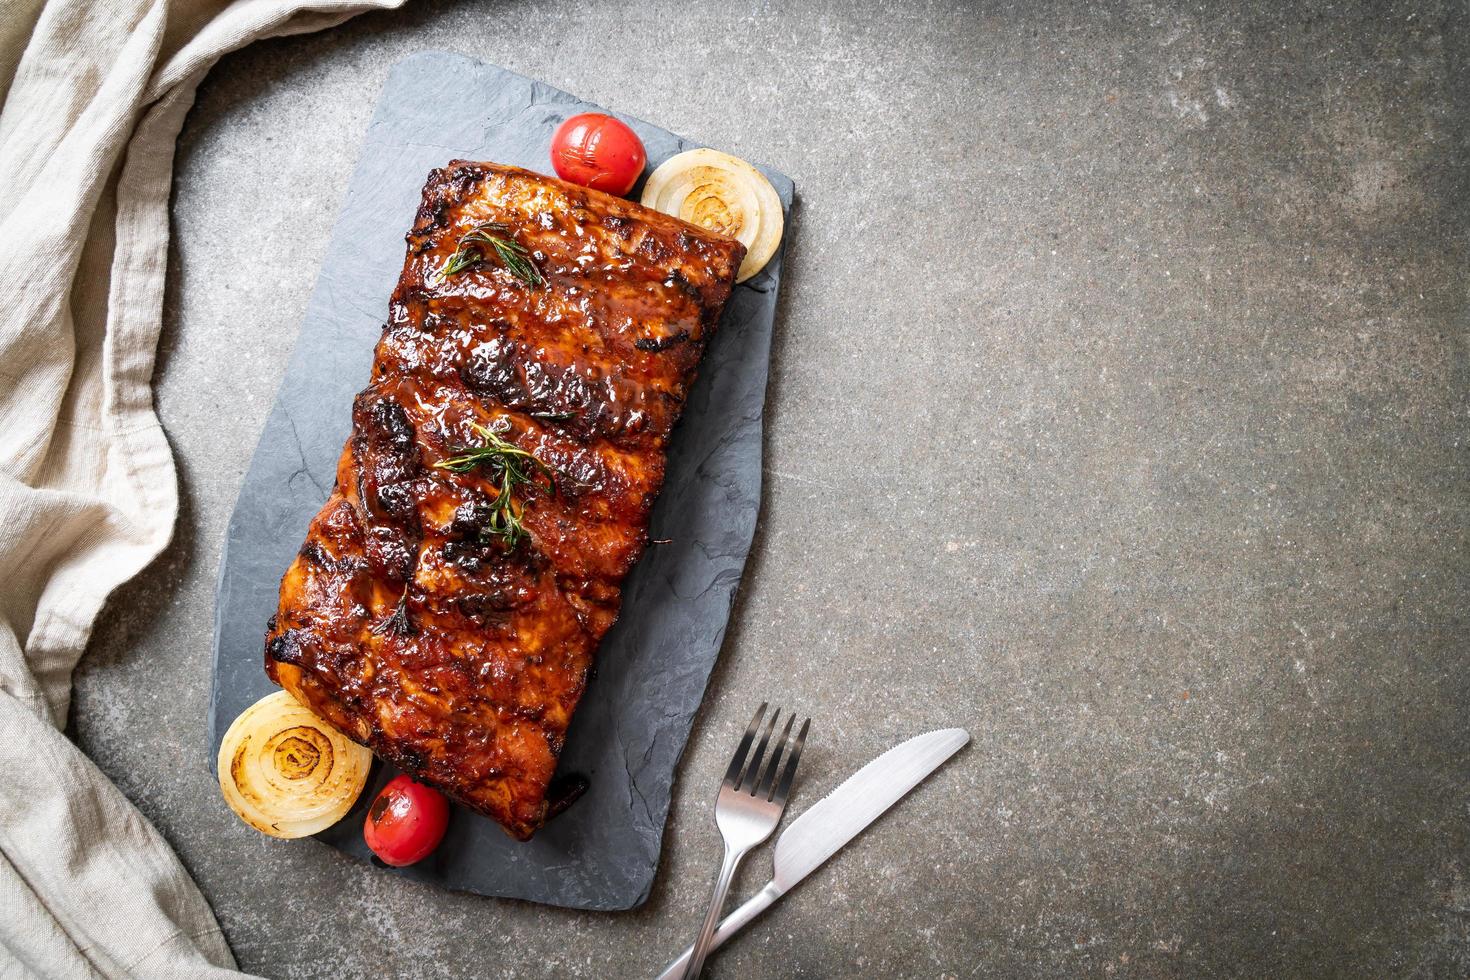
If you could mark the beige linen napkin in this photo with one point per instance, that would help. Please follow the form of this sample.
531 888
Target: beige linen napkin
95 92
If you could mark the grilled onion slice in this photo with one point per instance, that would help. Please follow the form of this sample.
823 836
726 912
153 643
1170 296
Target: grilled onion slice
724 194
286 772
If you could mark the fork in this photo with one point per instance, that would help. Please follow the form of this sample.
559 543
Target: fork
747 811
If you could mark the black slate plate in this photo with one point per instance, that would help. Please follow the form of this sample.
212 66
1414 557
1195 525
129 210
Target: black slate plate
653 666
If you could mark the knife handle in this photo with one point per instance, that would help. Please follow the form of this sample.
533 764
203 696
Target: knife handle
729 926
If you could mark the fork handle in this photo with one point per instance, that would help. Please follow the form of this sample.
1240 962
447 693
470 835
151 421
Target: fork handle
729 926
702 945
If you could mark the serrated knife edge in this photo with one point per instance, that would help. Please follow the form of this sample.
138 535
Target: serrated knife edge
830 823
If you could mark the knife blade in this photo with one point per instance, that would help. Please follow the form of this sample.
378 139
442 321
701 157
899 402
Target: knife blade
834 820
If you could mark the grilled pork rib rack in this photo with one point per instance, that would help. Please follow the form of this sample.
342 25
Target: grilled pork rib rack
496 488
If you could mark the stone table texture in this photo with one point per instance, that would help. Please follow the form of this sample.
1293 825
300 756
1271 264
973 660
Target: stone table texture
1118 413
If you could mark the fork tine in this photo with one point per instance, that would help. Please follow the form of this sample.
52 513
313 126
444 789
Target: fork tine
747 782
768 778
738 763
786 777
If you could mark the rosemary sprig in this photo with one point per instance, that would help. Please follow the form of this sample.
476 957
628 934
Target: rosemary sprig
496 451
511 469
399 623
498 238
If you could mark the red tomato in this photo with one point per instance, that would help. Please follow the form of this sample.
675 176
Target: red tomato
406 822
598 151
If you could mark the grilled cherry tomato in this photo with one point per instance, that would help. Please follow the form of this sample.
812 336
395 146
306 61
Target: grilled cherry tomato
598 151
406 822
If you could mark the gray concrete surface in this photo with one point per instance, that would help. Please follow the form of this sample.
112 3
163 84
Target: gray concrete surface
1119 413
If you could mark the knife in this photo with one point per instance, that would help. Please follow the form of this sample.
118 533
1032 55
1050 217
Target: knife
830 823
